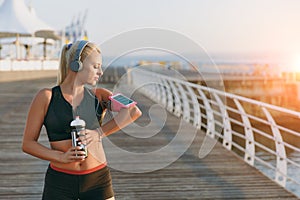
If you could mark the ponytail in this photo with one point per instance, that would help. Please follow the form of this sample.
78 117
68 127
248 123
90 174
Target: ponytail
63 66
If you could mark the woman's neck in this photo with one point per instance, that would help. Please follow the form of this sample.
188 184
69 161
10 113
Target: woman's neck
72 90
71 85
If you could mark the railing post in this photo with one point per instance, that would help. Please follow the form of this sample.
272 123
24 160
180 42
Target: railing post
158 92
163 93
210 116
177 103
250 146
227 139
196 108
209 140
185 103
170 94
281 164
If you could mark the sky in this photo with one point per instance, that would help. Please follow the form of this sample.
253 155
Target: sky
269 28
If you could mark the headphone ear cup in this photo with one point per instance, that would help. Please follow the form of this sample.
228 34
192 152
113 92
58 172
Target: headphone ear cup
76 66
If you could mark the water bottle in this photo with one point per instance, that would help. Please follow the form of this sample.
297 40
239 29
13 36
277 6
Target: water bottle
78 129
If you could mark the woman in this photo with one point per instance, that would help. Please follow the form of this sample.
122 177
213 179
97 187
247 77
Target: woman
72 175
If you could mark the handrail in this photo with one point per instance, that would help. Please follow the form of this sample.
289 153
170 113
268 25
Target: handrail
246 126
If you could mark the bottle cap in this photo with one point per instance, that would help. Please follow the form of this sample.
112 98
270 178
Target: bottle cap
77 122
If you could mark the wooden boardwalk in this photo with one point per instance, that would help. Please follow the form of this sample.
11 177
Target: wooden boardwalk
220 175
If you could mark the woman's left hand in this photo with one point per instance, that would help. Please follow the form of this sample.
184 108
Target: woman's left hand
89 137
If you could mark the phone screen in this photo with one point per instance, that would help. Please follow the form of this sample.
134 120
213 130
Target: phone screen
122 99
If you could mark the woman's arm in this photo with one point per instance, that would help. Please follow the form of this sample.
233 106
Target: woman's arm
122 119
35 118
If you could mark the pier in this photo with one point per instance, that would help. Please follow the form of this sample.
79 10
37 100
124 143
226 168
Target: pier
221 174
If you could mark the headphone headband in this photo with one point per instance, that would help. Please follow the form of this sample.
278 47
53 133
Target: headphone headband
76 64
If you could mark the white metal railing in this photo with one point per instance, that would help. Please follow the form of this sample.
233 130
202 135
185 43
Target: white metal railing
255 130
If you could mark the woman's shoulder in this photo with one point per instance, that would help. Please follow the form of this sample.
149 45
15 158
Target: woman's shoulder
41 101
44 95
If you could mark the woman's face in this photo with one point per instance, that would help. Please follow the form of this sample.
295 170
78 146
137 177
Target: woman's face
92 69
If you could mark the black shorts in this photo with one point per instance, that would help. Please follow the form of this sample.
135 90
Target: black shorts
93 186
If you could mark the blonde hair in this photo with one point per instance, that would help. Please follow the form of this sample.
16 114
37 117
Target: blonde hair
67 56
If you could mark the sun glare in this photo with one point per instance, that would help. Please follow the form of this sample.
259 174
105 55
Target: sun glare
295 65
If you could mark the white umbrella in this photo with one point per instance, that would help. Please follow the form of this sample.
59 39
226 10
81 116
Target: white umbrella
16 20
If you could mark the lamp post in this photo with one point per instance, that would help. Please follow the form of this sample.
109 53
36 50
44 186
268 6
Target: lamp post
0 51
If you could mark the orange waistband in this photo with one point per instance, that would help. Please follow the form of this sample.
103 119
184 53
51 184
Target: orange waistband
81 172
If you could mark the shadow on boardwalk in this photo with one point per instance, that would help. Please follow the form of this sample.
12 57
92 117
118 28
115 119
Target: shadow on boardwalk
220 175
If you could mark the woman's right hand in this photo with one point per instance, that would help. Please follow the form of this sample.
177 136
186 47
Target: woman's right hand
72 155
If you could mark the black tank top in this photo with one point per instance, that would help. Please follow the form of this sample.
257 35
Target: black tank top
60 114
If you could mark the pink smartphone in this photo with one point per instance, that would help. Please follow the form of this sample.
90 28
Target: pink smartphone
119 101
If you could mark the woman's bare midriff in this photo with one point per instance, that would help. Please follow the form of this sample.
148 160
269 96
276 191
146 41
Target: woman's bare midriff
86 164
